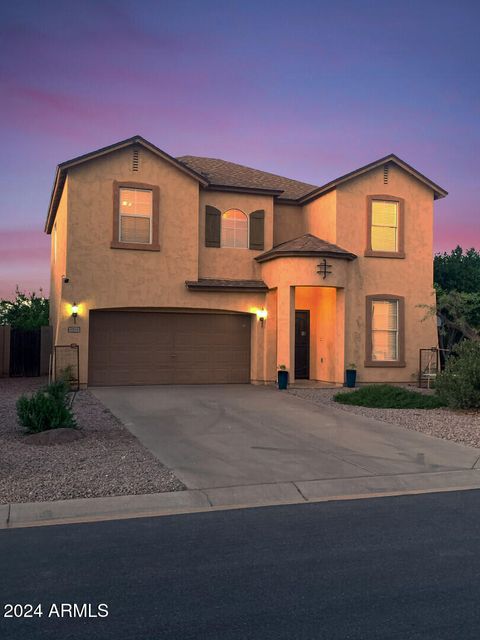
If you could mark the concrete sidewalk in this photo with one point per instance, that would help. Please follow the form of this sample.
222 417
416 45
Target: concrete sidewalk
197 500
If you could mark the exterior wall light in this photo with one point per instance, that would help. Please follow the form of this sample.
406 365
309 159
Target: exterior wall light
74 312
261 315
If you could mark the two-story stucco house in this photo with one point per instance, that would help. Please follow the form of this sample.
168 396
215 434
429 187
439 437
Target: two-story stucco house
197 270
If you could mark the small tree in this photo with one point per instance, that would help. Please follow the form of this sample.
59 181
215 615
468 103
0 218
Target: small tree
26 311
459 385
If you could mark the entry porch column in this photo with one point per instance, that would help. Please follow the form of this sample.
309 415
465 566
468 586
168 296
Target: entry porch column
286 329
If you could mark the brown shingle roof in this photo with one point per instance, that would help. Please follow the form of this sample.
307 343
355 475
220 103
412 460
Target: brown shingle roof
229 174
306 246
226 285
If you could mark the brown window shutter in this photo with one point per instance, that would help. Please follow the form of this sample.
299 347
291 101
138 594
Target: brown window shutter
257 233
212 226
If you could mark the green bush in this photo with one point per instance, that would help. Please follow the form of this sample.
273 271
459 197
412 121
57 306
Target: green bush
46 409
58 389
386 396
459 385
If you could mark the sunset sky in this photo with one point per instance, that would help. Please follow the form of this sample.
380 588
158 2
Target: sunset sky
306 89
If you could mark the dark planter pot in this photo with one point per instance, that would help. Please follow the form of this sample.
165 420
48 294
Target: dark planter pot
282 379
350 378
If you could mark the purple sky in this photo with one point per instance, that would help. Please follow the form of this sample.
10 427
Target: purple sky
310 90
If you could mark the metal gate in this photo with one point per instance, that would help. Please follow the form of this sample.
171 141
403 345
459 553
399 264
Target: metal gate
66 364
25 349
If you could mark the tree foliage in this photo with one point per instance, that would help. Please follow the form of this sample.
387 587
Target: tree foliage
26 311
457 282
458 270
460 314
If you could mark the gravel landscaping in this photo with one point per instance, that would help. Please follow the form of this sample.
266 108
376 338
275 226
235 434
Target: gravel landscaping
108 461
461 427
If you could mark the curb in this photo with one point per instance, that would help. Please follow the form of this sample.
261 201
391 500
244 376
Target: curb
32 514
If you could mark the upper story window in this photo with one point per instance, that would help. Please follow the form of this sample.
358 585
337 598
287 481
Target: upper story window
385 227
385 331
135 216
234 229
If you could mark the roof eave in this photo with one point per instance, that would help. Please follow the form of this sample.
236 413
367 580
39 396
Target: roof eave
304 254
55 196
235 189
193 285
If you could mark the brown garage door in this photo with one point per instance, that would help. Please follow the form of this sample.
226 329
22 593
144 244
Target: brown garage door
130 347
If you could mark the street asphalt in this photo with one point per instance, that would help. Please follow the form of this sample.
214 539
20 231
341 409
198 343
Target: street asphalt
388 568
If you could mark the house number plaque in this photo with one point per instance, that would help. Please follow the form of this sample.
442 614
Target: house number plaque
324 268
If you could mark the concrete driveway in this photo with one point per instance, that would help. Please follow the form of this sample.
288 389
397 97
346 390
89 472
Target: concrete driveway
234 435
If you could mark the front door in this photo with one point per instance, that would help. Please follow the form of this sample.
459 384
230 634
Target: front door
302 345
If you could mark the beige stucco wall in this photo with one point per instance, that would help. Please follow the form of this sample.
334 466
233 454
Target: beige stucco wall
288 223
58 262
225 262
321 217
105 278
411 277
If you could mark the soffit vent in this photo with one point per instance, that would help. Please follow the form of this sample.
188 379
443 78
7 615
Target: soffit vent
385 174
135 159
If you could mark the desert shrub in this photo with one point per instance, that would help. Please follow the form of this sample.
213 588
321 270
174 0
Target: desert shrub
386 396
459 385
46 409
58 389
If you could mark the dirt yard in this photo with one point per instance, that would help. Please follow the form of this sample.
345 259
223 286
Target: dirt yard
108 461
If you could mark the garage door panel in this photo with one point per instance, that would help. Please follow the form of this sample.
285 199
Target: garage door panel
168 348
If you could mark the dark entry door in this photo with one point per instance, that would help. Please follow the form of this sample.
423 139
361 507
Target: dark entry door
302 345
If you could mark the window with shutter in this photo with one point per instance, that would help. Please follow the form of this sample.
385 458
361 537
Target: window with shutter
135 216
212 226
257 231
234 229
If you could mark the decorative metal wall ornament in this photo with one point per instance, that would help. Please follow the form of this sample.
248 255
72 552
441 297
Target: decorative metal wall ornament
323 268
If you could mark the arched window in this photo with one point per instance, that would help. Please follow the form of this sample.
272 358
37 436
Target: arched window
234 229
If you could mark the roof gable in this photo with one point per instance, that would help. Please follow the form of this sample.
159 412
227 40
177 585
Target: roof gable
329 186
63 167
